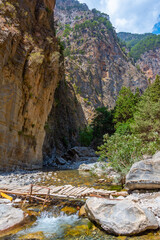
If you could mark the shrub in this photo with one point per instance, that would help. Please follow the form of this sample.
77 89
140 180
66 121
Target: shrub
122 151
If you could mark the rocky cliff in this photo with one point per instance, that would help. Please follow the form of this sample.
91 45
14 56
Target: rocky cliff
95 64
145 50
29 74
149 63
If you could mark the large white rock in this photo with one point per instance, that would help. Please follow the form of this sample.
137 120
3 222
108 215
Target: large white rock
150 201
120 217
145 174
9 217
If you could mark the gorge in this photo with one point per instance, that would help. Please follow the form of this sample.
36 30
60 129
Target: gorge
60 63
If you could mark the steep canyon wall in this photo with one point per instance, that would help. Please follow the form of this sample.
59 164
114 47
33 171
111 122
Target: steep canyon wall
29 74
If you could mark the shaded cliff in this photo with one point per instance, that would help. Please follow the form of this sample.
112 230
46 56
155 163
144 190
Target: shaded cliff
29 74
95 64
64 122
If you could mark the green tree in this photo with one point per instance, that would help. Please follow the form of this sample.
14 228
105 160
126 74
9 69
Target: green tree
125 106
102 122
86 136
147 116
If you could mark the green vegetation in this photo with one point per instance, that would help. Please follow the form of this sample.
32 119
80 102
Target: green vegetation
129 131
125 106
149 43
67 30
121 150
93 24
139 43
130 39
102 122
37 57
86 136
137 128
147 116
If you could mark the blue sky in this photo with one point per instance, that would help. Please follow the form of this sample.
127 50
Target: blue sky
136 16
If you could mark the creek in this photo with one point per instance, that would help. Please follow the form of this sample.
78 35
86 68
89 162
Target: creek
55 224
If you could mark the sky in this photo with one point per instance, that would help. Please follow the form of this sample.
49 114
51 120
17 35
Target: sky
135 16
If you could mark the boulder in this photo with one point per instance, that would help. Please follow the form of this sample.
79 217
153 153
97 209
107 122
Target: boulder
99 169
145 174
10 217
120 217
80 154
150 201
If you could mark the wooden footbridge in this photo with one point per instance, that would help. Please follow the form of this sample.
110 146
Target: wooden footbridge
47 194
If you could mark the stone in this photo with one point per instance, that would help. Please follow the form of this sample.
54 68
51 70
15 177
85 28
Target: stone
77 231
82 212
60 161
33 236
150 201
69 210
145 174
120 217
10 217
80 154
100 168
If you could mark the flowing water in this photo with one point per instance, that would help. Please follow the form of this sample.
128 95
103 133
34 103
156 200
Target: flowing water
53 224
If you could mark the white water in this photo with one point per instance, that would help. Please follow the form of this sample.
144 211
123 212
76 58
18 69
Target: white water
49 224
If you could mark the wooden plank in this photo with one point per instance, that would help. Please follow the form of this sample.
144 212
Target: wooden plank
78 191
82 189
83 192
67 191
65 187
73 191
57 189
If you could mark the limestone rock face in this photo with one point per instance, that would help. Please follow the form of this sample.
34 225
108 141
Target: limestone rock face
120 217
10 217
94 61
145 174
150 63
29 69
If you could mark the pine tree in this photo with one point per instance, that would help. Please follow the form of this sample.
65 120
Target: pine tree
147 115
125 105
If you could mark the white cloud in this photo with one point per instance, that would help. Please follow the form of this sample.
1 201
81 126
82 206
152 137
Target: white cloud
136 16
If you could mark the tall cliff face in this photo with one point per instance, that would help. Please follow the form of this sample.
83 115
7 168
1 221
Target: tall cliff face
95 64
149 63
29 74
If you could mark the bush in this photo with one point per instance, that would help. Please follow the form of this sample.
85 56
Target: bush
122 151
124 128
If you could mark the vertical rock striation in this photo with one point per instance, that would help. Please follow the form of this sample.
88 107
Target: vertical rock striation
29 74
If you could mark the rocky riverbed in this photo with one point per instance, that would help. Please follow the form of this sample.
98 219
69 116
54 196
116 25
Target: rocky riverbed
134 214
138 212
